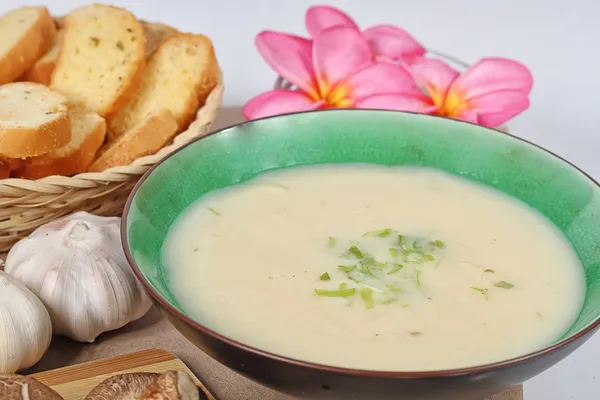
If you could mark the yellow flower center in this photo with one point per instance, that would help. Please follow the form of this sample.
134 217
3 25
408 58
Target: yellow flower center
449 105
337 96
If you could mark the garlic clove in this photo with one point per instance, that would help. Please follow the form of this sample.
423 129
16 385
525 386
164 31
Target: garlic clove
25 326
77 267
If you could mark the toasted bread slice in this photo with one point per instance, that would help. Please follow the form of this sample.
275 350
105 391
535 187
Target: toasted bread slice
179 76
27 33
155 33
41 72
101 57
88 130
146 138
34 120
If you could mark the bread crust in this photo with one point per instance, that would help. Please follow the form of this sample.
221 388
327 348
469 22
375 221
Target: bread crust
18 141
35 42
41 72
72 162
154 34
149 136
28 142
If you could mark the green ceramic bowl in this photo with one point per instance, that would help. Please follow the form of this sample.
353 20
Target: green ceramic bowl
547 183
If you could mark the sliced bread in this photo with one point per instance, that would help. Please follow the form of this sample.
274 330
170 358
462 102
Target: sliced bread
101 57
87 135
154 34
27 33
179 76
34 120
41 72
156 129
17 387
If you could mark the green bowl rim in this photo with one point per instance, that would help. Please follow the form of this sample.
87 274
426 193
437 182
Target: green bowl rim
477 369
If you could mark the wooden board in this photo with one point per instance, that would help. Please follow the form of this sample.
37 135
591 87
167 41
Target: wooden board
76 381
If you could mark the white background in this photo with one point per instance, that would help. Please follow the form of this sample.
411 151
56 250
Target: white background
558 40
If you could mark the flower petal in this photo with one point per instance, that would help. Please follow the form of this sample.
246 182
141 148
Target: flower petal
498 107
319 18
290 56
398 101
393 43
435 76
490 75
468 116
381 77
277 102
337 53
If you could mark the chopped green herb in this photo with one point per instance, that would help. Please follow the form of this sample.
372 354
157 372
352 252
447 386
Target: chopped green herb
331 241
216 212
416 333
406 305
347 268
539 315
393 252
504 285
395 268
416 245
428 257
395 289
336 293
343 285
355 251
490 271
364 268
414 258
270 276
439 244
325 277
484 292
379 233
367 296
418 279
400 240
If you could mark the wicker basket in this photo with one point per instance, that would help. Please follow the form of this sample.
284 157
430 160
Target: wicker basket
28 204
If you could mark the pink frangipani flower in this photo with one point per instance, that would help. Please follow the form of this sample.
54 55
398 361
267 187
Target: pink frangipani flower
336 70
488 93
387 42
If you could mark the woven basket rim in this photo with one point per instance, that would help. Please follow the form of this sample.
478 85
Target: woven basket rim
137 167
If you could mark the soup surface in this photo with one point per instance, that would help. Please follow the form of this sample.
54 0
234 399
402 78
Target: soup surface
373 267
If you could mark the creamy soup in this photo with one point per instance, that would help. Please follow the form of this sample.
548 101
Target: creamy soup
369 267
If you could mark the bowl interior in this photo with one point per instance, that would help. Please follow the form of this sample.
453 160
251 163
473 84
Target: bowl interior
558 190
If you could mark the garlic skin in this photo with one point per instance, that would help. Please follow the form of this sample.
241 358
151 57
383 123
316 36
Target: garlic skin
77 267
25 327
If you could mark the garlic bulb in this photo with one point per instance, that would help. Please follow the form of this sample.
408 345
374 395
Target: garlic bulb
77 267
25 327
